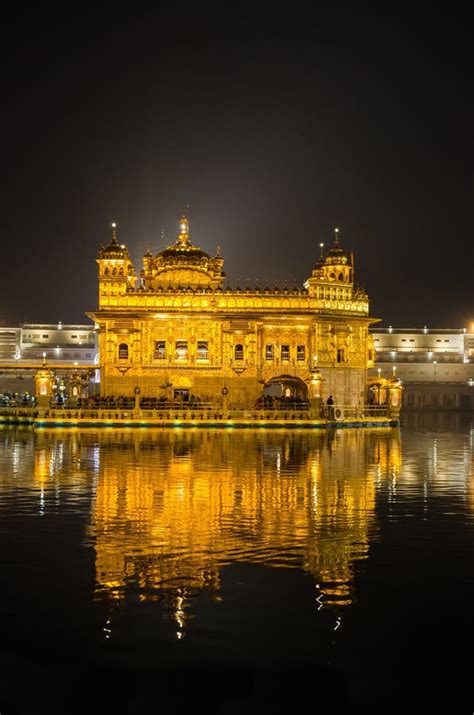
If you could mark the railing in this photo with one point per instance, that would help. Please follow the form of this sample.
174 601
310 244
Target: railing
201 411
274 405
348 412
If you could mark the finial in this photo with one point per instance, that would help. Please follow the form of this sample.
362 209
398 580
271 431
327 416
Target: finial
183 237
218 251
321 256
336 237
162 234
114 233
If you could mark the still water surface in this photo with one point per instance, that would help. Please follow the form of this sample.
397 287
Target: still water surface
150 569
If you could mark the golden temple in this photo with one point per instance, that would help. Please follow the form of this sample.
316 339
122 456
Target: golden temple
176 333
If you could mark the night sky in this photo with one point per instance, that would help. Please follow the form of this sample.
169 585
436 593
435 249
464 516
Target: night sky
272 129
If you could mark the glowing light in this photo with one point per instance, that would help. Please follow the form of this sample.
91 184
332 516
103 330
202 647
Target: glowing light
114 225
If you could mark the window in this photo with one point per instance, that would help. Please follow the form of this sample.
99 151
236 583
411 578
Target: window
122 351
88 355
300 352
202 350
446 341
160 350
341 277
341 355
72 336
371 355
45 336
285 352
239 352
404 340
181 349
268 352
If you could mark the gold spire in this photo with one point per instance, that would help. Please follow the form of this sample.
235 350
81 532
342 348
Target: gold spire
114 233
183 238
336 238
321 257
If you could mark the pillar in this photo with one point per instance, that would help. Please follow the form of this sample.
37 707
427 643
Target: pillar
315 394
394 398
43 387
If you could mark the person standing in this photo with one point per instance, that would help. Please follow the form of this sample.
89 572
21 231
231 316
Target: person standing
330 404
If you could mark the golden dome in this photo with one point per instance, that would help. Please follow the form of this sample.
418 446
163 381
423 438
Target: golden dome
183 264
183 252
114 249
336 255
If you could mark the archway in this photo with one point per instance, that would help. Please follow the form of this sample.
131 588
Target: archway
377 388
284 390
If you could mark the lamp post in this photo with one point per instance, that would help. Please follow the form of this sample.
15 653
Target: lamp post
435 362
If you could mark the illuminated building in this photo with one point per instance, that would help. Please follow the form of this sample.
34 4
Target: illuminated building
178 331
436 365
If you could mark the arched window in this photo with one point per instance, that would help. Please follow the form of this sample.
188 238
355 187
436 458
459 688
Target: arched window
332 276
123 351
121 271
239 352
341 276
106 271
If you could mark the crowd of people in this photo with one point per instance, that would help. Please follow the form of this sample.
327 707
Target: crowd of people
268 402
17 399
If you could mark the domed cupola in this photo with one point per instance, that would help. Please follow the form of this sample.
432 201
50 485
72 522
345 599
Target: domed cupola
114 249
116 269
183 252
336 256
183 264
335 268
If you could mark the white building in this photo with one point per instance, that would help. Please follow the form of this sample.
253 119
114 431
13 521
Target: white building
436 366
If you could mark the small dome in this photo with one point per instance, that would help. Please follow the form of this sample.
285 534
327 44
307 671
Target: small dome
336 255
114 249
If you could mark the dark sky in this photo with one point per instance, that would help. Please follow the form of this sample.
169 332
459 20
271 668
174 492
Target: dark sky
273 129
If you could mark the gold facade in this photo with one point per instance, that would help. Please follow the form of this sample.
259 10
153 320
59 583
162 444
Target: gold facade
177 330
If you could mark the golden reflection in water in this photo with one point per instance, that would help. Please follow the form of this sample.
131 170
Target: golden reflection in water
172 508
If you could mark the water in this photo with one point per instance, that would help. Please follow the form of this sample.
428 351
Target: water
260 569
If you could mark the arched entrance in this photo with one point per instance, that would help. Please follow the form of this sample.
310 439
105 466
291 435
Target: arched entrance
377 391
284 390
